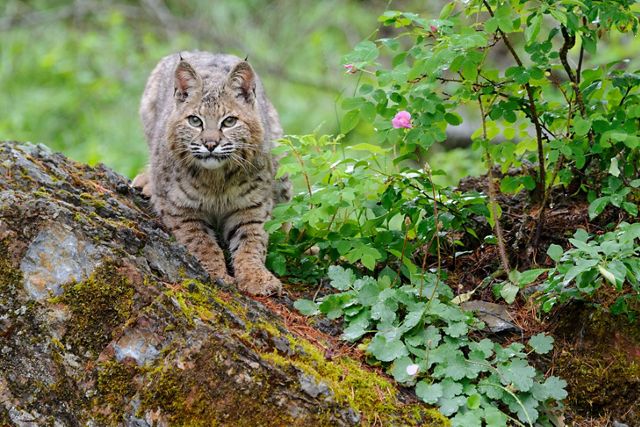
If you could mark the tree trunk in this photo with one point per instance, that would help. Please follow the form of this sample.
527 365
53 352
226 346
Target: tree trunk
105 320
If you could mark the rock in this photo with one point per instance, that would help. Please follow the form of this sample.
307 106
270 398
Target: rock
495 316
105 320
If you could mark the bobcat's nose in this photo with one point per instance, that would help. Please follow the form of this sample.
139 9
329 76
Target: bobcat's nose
210 145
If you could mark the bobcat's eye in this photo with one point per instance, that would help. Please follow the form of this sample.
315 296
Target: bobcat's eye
229 121
195 121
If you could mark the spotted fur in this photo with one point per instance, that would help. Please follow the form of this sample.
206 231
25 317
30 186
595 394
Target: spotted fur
211 178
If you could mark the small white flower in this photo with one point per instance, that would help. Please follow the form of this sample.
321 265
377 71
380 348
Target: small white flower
412 369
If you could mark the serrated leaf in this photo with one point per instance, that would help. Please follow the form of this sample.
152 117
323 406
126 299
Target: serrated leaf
306 307
429 393
485 346
541 343
456 329
556 388
468 418
449 405
341 278
386 351
455 366
491 387
495 417
399 369
518 373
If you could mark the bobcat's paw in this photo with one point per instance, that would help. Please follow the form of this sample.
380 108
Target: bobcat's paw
143 183
222 280
259 282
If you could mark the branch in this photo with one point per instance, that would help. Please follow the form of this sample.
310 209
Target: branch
541 184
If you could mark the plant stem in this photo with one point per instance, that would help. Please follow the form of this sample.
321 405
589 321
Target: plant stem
493 203
541 184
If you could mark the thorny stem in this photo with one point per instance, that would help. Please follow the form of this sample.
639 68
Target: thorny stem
541 184
493 203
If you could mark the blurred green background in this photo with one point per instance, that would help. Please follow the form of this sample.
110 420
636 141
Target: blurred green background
72 72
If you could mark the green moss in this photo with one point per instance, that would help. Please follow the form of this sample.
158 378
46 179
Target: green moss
205 395
92 200
9 276
114 388
98 305
365 391
602 368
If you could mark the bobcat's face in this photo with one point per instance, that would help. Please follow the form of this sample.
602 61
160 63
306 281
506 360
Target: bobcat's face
214 126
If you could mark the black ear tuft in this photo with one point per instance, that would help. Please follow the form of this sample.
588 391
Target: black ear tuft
186 80
242 80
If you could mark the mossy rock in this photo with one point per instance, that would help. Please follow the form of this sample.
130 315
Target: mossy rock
104 320
599 356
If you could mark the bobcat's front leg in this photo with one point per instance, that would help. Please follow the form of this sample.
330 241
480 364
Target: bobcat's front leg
200 241
248 247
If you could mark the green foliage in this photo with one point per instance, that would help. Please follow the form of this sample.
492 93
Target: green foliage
610 259
371 204
423 340
72 76
357 209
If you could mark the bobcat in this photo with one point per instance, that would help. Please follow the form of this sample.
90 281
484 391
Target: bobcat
210 129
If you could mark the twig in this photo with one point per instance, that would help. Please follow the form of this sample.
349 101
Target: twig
541 184
492 196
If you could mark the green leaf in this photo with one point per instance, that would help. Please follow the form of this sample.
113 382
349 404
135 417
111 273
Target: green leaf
386 351
528 276
453 119
609 276
456 329
518 373
532 31
368 294
495 417
306 307
555 252
473 401
597 206
341 278
455 366
469 418
556 388
370 148
581 126
350 121
429 393
399 369
509 292
332 305
541 343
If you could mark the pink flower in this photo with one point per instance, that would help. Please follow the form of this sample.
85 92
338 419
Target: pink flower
433 28
402 120
350 68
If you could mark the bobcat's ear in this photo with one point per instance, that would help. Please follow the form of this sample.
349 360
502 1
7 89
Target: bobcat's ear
242 81
186 81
